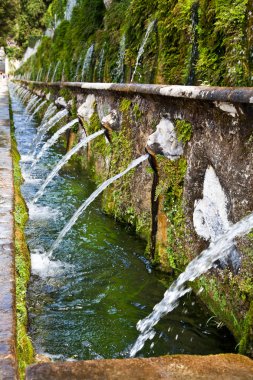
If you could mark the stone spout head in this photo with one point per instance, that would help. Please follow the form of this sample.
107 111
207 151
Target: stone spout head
111 121
61 102
86 110
164 141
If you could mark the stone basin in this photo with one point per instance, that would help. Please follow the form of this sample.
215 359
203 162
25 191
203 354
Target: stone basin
174 367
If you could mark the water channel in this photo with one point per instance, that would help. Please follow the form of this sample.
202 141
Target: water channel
85 301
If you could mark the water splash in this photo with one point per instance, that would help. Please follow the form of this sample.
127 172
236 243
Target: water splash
38 212
87 61
119 71
34 105
53 139
42 266
91 198
63 161
142 47
44 128
194 269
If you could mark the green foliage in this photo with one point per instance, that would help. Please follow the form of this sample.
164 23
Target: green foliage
54 11
8 11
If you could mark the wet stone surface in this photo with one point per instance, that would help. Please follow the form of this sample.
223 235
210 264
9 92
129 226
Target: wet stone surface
7 274
193 367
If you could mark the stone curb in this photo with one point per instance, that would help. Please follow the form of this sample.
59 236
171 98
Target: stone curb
8 362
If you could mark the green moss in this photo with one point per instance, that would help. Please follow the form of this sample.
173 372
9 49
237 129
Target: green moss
170 192
137 112
246 343
222 44
25 351
125 105
183 130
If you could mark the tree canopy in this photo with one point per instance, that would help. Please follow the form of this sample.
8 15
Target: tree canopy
21 23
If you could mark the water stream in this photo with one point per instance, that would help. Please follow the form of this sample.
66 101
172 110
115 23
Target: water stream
85 300
87 62
91 198
53 139
64 160
38 108
142 47
198 266
45 127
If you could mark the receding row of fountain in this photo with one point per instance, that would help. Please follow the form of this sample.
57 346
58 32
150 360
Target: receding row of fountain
84 63
222 243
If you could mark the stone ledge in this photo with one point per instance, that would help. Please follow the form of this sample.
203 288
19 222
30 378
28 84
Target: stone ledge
217 94
176 367
8 364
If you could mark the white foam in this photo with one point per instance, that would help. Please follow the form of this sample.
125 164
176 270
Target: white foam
28 179
27 158
41 212
44 267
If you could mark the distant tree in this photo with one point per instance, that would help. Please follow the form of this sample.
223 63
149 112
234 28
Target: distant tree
9 9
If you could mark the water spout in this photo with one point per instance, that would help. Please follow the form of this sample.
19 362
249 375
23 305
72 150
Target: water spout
55 70
91 198
194 269
69 9
53 139
48 72
87 61
31 102
38 108
119 72
63 161
143 45
79 62
44 128
49 113
101 64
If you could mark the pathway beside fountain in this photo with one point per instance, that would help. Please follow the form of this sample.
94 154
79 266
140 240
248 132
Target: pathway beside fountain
8 367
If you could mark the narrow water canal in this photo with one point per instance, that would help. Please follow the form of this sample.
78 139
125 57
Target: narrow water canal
86 301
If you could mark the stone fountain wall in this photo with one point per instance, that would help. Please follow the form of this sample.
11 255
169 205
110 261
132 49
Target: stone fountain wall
198 181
